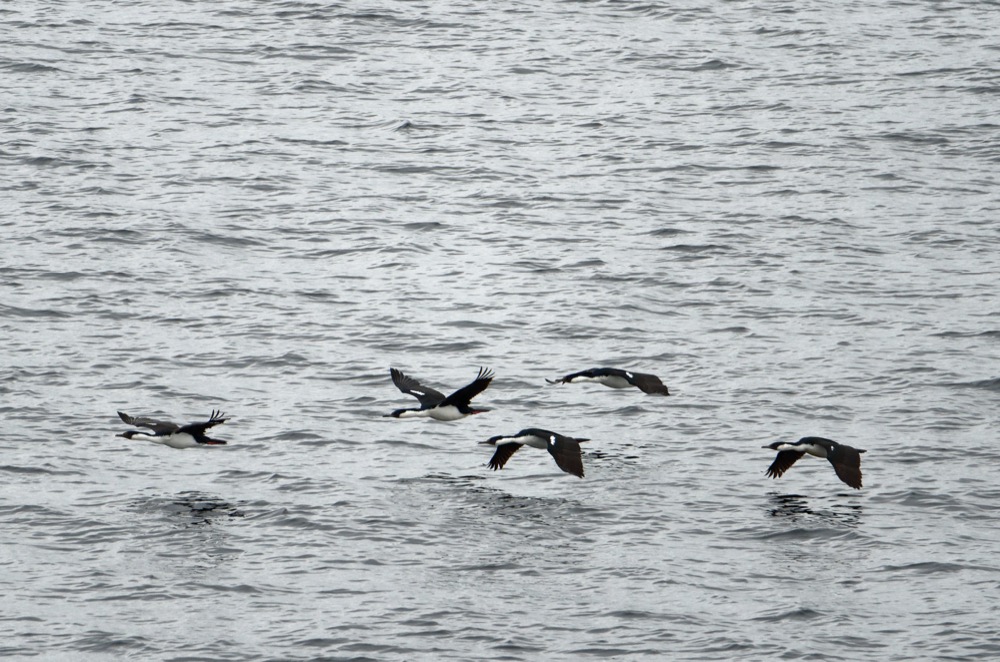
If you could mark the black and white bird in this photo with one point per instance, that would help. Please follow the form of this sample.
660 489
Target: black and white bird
846 461
616 378
564 450
434 404
172 434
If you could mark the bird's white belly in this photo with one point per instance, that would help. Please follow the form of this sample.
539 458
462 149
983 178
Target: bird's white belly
614 381
534 442
812 449
182 440
449 413
607 380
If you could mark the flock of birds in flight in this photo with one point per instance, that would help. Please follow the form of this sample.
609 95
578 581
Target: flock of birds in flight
564 450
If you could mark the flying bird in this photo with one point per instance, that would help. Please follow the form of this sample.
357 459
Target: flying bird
846 461
564 450
172 434
434 404
616 378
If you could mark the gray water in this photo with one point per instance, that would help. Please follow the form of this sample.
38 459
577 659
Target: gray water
788 211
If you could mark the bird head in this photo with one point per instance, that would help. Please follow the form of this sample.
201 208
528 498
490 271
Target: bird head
492 441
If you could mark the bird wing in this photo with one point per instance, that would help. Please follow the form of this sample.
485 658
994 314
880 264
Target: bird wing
463 395
783 462
198 429
846 462
502 454
648 383
566 453
428 397
570 377
158 427
563 380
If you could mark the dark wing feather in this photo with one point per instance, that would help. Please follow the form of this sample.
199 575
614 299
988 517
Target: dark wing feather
846 462
463 395
158 427
502 454
428 397
648 383
783 462
197 430
566 453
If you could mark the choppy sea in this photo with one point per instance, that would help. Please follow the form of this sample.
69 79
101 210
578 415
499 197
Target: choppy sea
788 211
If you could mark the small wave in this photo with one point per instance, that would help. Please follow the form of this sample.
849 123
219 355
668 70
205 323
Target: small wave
30 67
992 333
696 251
424 225
668 232
225 240
920 498
710 65
934 567
988 384
9 468
44 313
798 614
915 138
806 533
730 329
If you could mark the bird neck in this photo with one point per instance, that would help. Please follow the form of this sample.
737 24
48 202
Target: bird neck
413 413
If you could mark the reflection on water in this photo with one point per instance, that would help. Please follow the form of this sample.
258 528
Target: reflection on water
197 508
796 507
204 509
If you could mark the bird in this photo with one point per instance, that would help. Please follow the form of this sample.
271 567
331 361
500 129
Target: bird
846 461
616 378
564 450
172 434
434 404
